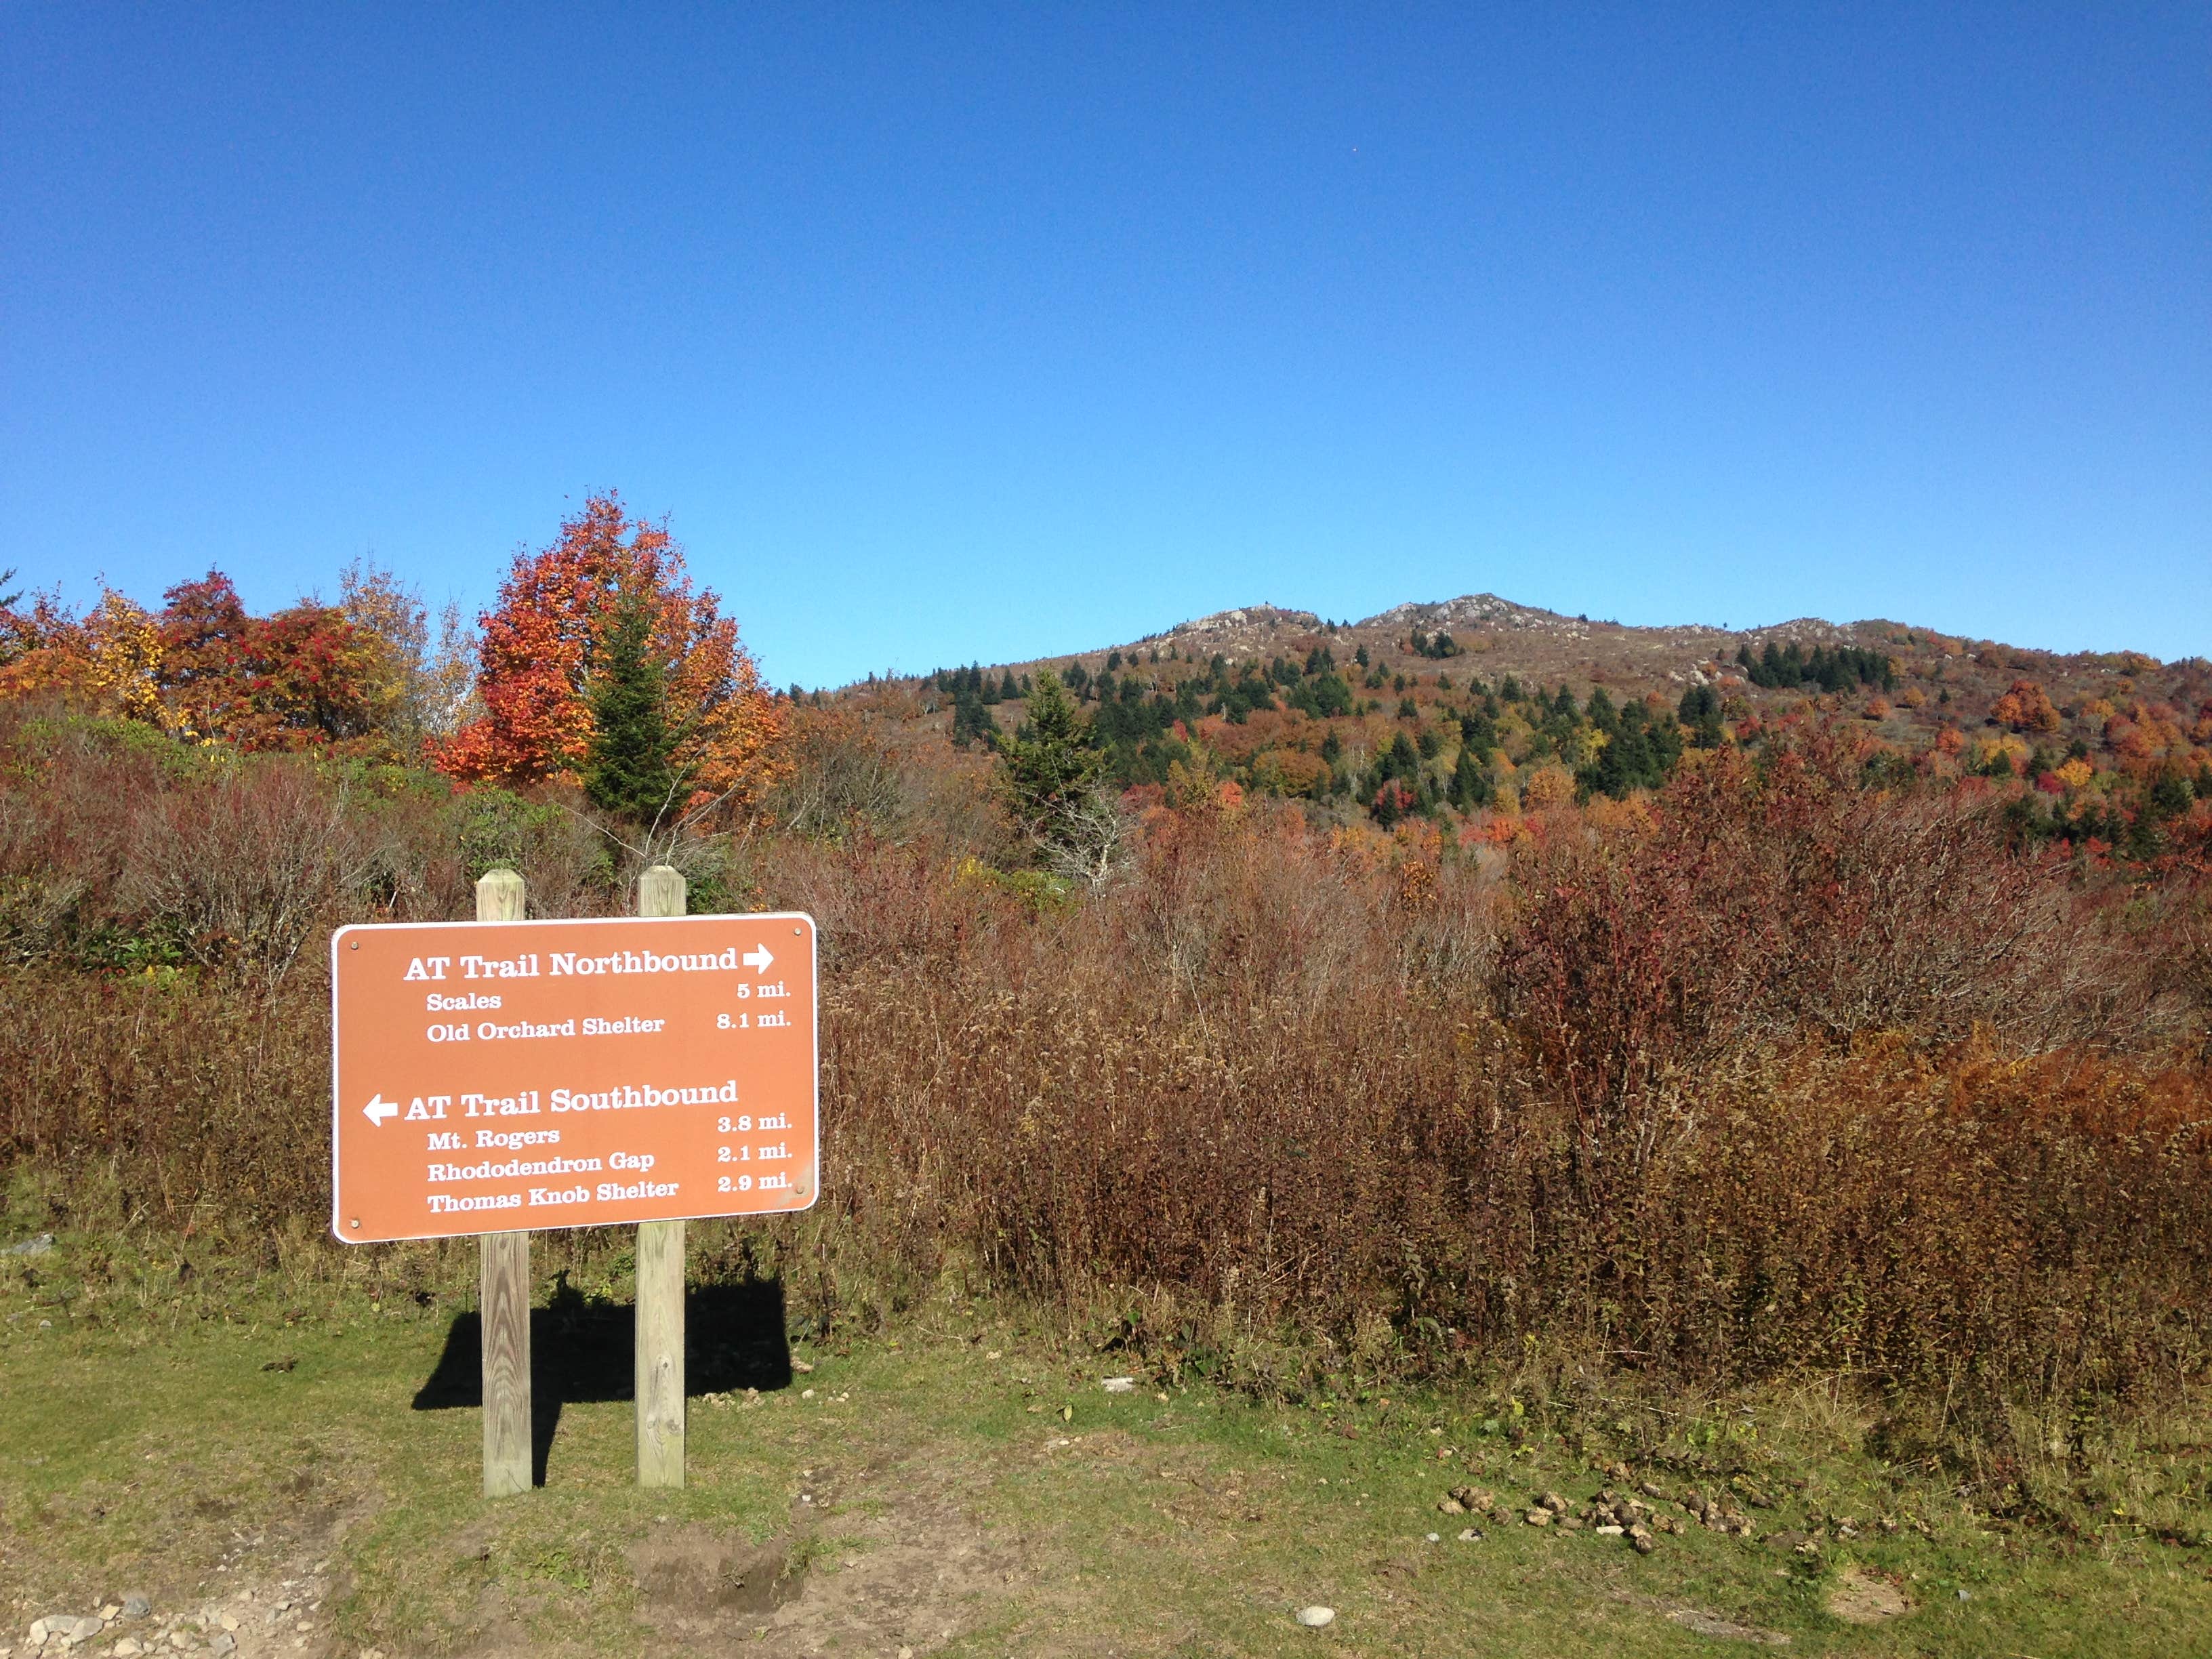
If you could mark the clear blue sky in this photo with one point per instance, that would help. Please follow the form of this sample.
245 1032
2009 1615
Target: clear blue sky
946 332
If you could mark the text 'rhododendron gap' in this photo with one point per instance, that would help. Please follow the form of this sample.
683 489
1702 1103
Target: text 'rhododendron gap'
546 647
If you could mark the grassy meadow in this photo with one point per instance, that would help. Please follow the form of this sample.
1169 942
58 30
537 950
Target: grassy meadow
957 1484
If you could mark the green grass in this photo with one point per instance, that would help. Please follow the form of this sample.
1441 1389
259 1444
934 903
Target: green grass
959 1487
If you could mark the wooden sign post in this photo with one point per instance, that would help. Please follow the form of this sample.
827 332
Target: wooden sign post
582 1073
503 1290
660 1387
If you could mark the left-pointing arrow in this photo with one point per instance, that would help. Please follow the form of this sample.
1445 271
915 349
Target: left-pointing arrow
378 1109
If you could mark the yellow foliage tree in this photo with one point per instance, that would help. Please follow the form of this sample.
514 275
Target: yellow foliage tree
123 659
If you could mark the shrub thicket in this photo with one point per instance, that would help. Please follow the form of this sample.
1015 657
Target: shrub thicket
1778 1074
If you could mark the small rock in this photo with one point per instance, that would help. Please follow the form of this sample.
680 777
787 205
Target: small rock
1475 1497
1118 1384
1650 1489
1644 1545
126 1649
1966 1596
1538 1517
109 1611
1432 1538
1609 1532
1469 1536
137 1606
1554 1502
1450 1506
37 1244
1317 1617
801 1367
1570 1524
224 1642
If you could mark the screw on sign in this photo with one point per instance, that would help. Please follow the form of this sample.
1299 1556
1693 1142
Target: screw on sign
492 1077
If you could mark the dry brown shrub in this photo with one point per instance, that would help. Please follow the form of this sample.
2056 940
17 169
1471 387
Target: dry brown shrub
1769 902
1780 1077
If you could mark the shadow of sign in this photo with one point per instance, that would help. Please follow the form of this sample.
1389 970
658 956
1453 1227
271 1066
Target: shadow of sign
583 1352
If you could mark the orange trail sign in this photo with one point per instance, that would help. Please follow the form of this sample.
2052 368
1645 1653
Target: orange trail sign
498 1076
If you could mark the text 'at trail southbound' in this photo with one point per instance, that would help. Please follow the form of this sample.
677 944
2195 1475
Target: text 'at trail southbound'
494 1077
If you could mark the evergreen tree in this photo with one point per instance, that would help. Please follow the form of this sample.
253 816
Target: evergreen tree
2170 795
629 768
1008 692
970 719
1400 761
1471 786
1045 774
1700 711
1330 694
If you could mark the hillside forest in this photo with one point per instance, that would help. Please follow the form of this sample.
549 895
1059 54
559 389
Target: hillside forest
1285 1001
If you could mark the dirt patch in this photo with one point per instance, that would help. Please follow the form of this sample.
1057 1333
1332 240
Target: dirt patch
913 1573
1860 1597
694 1570
870 1563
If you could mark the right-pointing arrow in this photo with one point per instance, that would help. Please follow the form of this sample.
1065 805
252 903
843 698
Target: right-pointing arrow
757 959
378 1110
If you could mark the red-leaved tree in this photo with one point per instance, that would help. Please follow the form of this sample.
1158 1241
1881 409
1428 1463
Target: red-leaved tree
545 648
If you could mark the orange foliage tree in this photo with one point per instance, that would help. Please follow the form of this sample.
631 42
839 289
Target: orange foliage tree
545 648
300 678
203 669
2025 707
